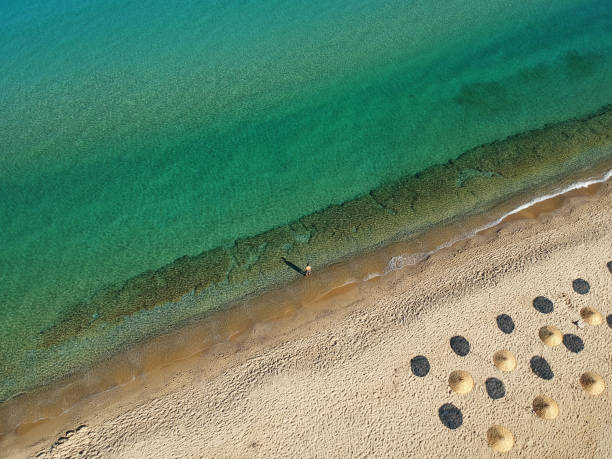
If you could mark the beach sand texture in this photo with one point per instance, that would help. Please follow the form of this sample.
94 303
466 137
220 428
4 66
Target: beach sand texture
371 378
158 162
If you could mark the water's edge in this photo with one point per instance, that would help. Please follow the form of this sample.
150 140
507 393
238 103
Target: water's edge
191 287
265 316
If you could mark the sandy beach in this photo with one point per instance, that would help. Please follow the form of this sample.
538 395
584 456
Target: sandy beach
366 372
168 173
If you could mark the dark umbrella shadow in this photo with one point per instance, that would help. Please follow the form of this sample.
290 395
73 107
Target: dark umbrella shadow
505 323
609 319
495 388
450 416
543 305
419 366
573 343
541 368
460 345
581 286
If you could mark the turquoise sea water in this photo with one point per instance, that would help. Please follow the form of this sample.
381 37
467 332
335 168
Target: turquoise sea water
135 132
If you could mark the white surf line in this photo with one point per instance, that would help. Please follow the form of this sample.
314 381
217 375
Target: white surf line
401 261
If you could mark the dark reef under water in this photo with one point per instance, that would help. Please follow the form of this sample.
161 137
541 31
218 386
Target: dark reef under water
193 286
475 180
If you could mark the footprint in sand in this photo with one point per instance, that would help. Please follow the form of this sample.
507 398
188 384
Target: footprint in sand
64 438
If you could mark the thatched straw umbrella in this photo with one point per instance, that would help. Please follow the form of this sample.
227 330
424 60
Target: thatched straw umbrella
551 336
500 439
545 407
504 360
461 381
591 316
592 383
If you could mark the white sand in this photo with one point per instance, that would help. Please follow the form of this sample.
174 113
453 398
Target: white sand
343 386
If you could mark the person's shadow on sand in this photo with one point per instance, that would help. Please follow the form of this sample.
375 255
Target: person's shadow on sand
293 266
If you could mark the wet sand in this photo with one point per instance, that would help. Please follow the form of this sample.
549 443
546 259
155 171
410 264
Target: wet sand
324 367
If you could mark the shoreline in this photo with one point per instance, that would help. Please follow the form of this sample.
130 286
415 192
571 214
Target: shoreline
530 207
158 301
362 337
236 329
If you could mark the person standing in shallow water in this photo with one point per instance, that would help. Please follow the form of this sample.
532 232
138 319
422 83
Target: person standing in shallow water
308 270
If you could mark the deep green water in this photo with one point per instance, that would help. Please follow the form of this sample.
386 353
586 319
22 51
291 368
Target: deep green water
133 133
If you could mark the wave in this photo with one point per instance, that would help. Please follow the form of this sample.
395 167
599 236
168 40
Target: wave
402 261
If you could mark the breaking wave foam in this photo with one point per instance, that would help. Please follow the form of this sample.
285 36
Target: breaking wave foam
401 261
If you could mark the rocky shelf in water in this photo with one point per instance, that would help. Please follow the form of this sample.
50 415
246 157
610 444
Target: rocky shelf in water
473 182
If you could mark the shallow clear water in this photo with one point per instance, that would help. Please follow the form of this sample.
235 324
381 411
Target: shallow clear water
137 132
